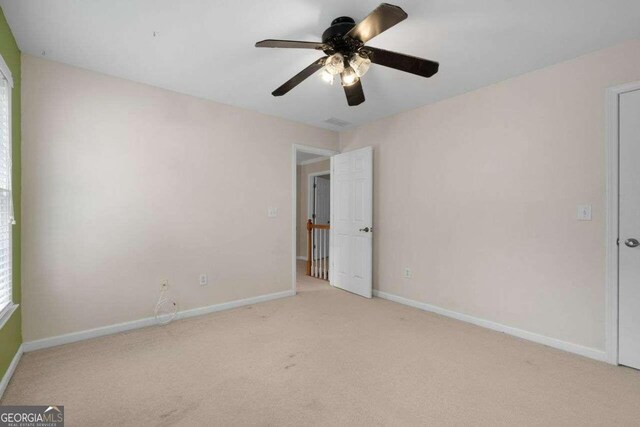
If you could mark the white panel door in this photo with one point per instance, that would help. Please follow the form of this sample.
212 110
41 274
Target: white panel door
629 247
352 221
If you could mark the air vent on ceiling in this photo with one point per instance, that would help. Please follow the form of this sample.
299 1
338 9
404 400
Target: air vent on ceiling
337 122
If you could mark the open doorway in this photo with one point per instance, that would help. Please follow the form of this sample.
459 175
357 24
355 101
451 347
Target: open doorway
318 220
312 210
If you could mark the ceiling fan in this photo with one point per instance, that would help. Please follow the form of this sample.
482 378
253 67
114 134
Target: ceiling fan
346 54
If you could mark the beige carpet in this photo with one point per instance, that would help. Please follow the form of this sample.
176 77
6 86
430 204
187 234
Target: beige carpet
323 357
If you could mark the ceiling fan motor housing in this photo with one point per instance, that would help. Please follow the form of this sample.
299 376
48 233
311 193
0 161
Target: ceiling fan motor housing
333 36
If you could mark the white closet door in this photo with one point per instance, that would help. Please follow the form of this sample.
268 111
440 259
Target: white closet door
629 247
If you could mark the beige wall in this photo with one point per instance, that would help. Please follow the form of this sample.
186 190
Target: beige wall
478 194
126 185
303 200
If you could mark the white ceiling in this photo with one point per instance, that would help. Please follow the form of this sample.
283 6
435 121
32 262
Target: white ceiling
206 48
302 157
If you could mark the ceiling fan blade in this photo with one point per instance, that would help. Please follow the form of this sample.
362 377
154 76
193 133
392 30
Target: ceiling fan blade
402 62
300 77
381 19
355 94
292 44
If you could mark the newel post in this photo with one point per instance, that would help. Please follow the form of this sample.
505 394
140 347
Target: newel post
309 244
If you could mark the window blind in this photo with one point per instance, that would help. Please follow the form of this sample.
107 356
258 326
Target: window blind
6 205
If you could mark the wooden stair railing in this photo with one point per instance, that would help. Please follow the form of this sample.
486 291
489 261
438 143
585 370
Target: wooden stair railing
318 250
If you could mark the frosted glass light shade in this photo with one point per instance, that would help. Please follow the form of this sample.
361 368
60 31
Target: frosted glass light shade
334 64
360 64
349 76
327 76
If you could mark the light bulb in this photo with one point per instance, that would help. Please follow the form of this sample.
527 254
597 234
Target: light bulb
360 63
334 64
327 76
349 77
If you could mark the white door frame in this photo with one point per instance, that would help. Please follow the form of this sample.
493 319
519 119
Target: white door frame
295 148
612 212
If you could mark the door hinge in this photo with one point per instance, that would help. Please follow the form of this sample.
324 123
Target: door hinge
314 185
618 241
313 216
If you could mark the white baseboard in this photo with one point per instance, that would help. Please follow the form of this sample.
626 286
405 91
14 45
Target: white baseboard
301 258
531 336
234 304
149 321
10 370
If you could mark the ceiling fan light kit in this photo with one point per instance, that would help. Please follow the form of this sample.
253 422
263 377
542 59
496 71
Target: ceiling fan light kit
327 76
334 64
360 62
349 77
346 54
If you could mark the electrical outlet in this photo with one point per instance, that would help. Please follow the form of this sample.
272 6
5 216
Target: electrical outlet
204 280
164 285
407 273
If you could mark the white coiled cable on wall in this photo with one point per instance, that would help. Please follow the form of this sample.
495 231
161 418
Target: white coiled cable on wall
166 309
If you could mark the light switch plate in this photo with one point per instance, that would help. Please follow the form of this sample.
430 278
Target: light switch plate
584 213
203 280
272 212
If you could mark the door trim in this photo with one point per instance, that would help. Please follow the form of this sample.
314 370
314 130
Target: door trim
294 198
612 144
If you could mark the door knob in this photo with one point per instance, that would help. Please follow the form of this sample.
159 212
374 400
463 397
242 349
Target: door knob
366 229
632 243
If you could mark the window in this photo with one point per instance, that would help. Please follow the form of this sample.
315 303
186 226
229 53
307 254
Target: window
6 204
